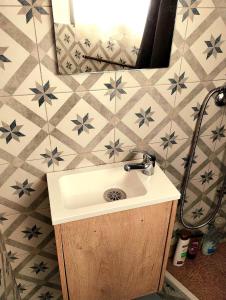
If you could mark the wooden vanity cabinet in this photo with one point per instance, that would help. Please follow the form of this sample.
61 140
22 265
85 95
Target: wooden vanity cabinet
118 256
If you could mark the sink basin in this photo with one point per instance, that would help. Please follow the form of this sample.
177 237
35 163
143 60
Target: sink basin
84 193
87 188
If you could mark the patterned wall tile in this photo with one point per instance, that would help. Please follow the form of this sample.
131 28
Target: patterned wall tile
38 268
195 20
16 255
146 121
36 3
82 122
46 293
31 250
179 161
25 287
86 160
6 211
17 132
205 53
145 113
17 34
29 231
188 105
214 46
44 165
218 161
22 188
190 7
219 3
198 212
151 76
215 131
6 222
64 162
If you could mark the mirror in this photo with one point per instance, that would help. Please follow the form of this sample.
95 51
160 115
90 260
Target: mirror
99 35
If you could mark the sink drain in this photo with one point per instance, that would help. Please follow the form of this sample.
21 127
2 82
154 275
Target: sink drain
114 195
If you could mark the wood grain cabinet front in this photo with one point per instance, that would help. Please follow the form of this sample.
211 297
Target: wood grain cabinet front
118 256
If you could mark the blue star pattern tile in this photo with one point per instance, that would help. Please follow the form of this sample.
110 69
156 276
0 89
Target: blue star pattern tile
3 59
218 133
32 8
32 232
207 177
11 131
39 267
52 157
24 188
83 124
114 148
169 140
145 117
115 88
43 93
189 9
213 46
177 83
196 110
198 213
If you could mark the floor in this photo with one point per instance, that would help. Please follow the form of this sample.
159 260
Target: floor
205 276
151 297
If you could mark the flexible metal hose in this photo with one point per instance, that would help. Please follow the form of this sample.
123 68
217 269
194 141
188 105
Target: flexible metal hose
190 162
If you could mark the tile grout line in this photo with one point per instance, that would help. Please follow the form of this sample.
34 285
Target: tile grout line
127 87
180 68
40 69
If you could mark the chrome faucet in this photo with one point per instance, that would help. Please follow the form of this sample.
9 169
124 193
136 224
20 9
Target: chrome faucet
147 166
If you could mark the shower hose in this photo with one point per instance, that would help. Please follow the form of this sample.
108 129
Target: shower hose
220 100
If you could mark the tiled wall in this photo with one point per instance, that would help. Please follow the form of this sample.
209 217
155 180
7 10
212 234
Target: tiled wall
51 123
8 286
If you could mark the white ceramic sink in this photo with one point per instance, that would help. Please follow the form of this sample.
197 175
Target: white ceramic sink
87 188
79 194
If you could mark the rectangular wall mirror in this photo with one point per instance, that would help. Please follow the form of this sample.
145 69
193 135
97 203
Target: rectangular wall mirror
100 35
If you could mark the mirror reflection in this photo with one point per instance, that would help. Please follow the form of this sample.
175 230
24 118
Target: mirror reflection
97 35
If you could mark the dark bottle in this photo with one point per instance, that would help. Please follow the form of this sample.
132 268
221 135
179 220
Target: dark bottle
194 244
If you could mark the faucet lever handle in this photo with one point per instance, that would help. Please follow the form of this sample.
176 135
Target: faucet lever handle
150 158
146 155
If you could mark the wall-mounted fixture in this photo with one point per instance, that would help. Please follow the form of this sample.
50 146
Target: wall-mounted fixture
95 35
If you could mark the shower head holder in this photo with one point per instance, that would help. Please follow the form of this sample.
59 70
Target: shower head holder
220 98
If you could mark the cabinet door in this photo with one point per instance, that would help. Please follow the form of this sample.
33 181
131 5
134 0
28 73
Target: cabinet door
117 256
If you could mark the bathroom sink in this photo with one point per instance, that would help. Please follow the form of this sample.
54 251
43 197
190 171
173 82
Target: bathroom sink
87 188
93 191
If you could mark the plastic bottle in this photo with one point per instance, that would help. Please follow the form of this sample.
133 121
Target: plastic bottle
182 247
213 236
194 245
